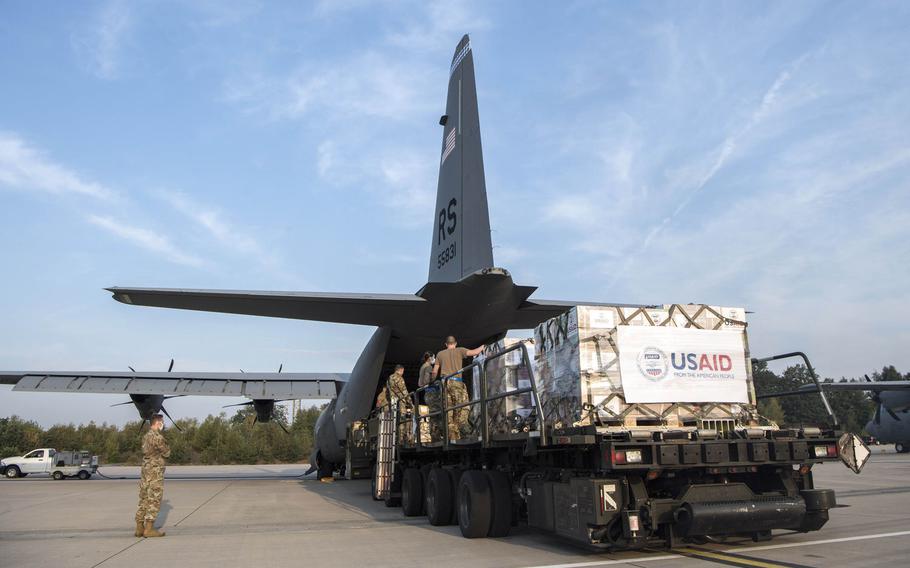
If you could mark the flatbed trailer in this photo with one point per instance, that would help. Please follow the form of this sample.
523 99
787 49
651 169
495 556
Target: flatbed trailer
600 487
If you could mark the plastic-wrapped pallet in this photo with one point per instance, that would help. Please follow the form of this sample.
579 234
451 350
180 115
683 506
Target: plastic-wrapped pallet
663 366
507 373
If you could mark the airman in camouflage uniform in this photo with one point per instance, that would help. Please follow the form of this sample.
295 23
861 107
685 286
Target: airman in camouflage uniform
432 395
449 362
151 484
396 391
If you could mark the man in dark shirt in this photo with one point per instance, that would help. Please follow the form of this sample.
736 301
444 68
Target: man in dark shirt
448 362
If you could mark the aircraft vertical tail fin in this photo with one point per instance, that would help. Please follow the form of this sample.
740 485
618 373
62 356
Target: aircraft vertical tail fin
461 241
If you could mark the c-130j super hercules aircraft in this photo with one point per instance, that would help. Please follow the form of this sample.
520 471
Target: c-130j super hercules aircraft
465 296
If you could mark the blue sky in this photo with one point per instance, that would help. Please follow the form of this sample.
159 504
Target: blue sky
740 154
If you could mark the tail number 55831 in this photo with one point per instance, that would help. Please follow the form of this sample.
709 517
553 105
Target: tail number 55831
447 254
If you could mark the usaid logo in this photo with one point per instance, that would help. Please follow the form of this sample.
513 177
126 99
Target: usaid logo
652 362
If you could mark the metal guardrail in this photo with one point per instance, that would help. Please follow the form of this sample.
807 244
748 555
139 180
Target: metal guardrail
485 399
812 374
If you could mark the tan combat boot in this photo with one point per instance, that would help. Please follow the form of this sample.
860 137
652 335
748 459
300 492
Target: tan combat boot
150 531
140 528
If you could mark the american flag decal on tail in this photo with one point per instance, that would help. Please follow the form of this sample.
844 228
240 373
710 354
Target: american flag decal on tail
450 145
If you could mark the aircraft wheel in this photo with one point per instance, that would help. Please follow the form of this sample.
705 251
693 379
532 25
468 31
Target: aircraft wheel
440 496
501 487
12 472
475 504
900 448
58 475
412 493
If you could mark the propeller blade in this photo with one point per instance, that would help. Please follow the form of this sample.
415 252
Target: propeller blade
282 427
239 404
122 403
242 371
173 396
171 366
141 426
878 415
168 414
868 380
891 412
281 366
131 369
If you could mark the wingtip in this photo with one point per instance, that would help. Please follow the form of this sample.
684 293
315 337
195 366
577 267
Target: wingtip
119 295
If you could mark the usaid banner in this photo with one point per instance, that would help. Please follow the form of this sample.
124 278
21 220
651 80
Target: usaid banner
673 364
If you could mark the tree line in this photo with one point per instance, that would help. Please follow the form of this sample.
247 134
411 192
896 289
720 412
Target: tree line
853 408
220 439
238 440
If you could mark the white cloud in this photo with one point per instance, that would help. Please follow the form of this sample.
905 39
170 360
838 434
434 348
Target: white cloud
23 167
100 46
213 223
146 239
439 27
367 86
402 179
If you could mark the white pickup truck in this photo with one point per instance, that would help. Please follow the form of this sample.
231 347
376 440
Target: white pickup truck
49 461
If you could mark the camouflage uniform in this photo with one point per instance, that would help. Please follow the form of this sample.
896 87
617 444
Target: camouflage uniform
457 393
151 484
433 397
397 390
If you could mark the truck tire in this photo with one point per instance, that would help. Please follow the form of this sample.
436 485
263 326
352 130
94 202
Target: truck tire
900 448
501 488
13 472
440 497
475 504
58 475
412 493
83 475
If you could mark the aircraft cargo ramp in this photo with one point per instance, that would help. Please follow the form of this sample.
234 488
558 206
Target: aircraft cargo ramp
263 516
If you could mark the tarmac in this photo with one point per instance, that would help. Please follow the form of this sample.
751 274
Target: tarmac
268 516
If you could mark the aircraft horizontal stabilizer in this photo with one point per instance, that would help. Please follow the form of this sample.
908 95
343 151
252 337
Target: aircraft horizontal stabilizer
359 309
531 312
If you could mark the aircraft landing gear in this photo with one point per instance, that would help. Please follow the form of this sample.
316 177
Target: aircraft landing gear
324 470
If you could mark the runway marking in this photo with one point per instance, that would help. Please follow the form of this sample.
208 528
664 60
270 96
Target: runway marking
730 559
639 559
140 539
207 501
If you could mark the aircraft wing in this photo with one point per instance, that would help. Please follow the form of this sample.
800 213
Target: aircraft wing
362 309
874 386
273 386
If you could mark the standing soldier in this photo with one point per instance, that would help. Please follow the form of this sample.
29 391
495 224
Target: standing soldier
431 394
448 362
397 393
151 484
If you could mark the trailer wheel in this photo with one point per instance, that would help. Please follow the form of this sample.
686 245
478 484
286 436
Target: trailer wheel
83 475
58 475
475 504
501 487
412 493
440 496
13 472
